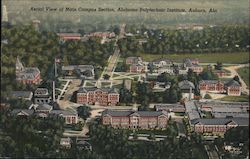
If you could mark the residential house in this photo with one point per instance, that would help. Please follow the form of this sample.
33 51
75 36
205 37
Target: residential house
135 119
187 89
26 95
22 112
162 62
27 75
82 71
69 117
98 96
193 64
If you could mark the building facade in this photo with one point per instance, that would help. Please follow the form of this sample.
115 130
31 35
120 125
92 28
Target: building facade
27 75
42 96
97 96
232 88
135 119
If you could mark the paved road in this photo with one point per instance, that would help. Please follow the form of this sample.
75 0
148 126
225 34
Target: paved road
233 70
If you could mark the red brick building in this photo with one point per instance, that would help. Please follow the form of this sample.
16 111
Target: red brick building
232 88
99 96
27 75
135 119
221 73
137 68
217 125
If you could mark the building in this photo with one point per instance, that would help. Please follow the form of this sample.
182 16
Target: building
232 87
69 117
69 36
22 112
193 64
217 125
162 62
133 60
26 95
42 109
135 119
83 71
98 96
187 89
27 75
176 108
83 145
66 142
101 34
136 68
221 73
41 96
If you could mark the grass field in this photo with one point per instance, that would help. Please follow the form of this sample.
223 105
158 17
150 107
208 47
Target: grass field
213 57
236 98
244 74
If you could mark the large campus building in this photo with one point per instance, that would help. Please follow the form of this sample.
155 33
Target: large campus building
232 88
98 96
27 75
135 119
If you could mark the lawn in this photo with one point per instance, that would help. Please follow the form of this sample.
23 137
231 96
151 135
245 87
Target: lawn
241 57
243 98
244 74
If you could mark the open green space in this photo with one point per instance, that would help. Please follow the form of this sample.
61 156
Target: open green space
241 57
244 74
243 98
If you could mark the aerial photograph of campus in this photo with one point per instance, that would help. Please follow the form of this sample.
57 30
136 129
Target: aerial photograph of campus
125 79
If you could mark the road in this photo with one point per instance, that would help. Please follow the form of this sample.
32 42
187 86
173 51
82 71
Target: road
233 70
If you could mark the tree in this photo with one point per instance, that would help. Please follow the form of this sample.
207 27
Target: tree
84 111
207 96
218 66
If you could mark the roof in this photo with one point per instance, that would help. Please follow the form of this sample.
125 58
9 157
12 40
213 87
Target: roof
232 83
21 94
28 73
222 121
62 112
43 107
26 112
211 81
80 67
41 92
186 85
69 34
168 106
128 113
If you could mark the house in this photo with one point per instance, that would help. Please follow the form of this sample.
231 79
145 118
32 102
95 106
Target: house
176 108
217 125
69 36
27 75
41 96
193 64
232 87
26 95
42 108
162 62
221 73
22 112
97 96
133 60
66 142
137 68
69 117
86 71
135 119
187 89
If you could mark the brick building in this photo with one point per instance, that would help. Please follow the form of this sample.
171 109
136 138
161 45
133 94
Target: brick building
99 96
27 75
135 119
217 125
232 87
137 68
